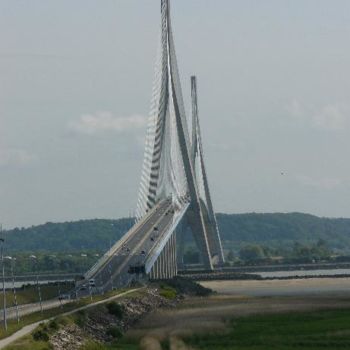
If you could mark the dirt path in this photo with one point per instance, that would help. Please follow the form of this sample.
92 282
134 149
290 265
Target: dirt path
27 329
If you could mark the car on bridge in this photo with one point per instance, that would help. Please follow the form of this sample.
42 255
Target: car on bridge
92 282
83 287
64 297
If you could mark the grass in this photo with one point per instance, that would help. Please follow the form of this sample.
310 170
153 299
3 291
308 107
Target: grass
115 309
38 316
167 292
91 345
287 331
37 340
27 342
312 331
29 294
316 330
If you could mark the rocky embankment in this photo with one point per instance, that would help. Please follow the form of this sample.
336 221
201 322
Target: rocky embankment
108 322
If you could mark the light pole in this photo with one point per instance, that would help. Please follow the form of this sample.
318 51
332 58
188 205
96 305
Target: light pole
76 288
89 285
34 258
12 262
2 240
53 257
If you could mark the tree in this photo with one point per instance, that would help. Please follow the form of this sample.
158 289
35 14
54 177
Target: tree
251 252
230 256
191 256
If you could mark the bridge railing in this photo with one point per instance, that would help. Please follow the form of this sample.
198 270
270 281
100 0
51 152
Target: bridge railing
119 244
157 249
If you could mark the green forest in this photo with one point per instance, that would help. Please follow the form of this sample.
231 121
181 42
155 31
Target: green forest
282 231
237 230
74 246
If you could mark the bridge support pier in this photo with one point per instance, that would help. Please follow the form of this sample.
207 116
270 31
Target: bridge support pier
165 266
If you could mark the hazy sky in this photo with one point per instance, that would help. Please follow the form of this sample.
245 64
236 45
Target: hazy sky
75 87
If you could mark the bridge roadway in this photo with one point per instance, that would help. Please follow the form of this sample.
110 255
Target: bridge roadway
127 257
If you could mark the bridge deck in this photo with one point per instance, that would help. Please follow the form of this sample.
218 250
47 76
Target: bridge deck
129 255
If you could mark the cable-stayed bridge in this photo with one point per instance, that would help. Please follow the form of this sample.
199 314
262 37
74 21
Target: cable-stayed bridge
174 196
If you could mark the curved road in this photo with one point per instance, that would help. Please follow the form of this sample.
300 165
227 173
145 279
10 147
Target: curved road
27 329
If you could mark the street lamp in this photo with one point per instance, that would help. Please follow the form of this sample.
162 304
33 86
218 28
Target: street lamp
53 257
34 258
12 262
89 285
76 287
2 240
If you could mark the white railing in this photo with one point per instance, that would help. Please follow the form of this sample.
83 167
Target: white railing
157 250
113 250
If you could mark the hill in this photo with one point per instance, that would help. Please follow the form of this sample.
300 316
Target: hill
283 230
273 230
96 234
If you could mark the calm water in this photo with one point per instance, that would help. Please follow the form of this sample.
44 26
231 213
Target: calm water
301 273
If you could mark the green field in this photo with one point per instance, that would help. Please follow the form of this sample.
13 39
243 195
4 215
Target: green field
306 330
312 330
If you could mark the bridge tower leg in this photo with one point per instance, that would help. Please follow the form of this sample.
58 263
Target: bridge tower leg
214 240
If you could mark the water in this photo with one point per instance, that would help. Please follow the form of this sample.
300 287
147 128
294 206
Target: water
303 273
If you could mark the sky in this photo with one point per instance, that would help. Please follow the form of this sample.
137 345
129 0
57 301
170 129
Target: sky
75 90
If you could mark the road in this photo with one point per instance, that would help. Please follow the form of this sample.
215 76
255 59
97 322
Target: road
28 329
27 309
128 257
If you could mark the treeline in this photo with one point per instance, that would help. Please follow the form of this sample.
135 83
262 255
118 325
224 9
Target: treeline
282 231
275 231
298 253
25 263
79 236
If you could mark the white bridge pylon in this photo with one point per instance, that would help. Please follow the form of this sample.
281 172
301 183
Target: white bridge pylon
173 164
174 190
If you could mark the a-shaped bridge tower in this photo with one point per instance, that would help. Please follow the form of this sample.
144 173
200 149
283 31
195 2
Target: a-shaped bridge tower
174 190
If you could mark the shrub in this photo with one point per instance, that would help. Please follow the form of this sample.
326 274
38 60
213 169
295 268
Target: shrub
188 287
40 335
80 318
114 332
53 325
63 321
168 292
91 345
115 309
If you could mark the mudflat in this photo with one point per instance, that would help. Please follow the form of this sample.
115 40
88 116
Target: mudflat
289 287
242 298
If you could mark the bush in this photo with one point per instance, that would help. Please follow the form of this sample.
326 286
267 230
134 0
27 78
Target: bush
115 309
167 292
40 335
53 325
91 345
63 321
114 332
188 287
251 252
80 318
